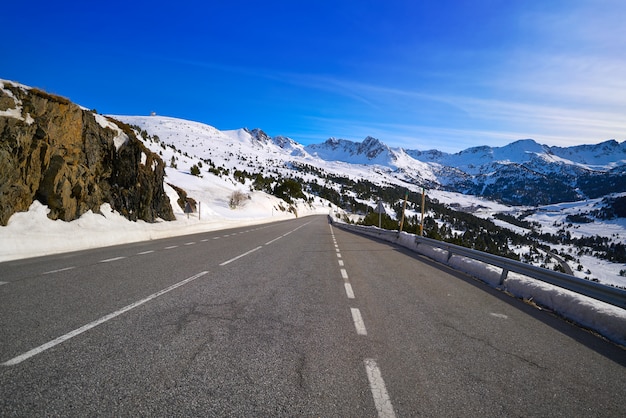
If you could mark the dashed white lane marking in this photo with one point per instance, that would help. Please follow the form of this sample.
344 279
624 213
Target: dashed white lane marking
204 240
108 260
379 391
358 321
171 246
258 248
1 283
349 291
272 241
53 271
241 255
189 243
374 376
78 331
216 237
145 252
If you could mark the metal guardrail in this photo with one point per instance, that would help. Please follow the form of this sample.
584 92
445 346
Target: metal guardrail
612 295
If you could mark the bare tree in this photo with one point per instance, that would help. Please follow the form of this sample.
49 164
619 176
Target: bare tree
237 198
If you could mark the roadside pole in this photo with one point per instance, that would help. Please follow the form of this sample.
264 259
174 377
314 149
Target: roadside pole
423 205
406 196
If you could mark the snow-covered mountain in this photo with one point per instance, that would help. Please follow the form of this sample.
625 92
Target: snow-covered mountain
527 173
370 151
521 173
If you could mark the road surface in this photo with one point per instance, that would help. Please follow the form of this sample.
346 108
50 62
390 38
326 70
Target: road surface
295 318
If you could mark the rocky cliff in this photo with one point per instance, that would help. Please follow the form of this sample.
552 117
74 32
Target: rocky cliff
73 160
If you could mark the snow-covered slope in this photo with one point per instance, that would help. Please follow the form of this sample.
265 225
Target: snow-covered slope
253 150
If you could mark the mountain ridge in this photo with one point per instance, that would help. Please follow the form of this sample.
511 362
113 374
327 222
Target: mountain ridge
523 172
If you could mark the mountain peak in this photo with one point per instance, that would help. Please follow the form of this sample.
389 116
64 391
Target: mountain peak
371 140
259 135
370 151
372 148
525 145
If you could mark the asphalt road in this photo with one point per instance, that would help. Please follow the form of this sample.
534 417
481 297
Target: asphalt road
295 318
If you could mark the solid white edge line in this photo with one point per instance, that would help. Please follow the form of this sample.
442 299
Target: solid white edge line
78 331
349 291
358 321
241 255
379 391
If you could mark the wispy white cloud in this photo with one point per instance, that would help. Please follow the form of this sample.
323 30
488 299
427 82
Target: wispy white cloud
561 83
558 121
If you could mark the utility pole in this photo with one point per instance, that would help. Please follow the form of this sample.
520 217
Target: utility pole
423 205
406 196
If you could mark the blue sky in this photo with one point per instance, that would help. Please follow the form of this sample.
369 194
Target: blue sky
419 74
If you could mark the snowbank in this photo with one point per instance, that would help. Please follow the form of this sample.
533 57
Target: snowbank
33 234
607 320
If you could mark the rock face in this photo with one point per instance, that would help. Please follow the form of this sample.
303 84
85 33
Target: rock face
73 160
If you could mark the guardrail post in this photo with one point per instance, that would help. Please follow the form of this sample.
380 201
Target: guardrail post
505 272
450 254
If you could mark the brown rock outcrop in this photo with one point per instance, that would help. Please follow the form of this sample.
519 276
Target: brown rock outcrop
73 160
